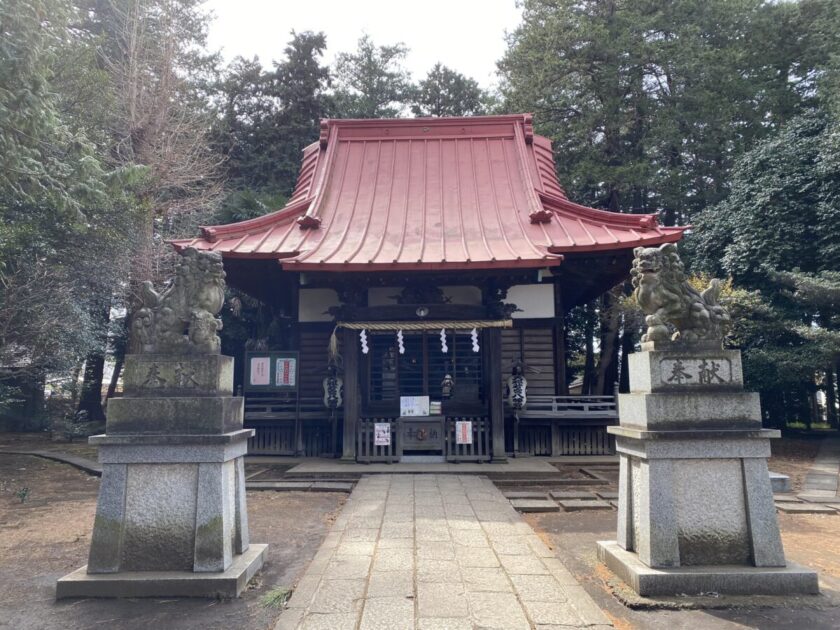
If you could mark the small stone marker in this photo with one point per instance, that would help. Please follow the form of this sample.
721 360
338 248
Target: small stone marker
805 508
779 482
534 505
562 495
577 505
516 494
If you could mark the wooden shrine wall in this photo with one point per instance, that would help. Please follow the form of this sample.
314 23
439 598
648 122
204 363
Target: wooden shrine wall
536 348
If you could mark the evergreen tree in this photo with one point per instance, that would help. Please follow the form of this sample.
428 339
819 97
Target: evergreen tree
268 117
445 92
775 234
372 82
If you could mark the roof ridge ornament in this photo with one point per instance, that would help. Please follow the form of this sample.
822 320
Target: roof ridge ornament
541 216
325 133
528 125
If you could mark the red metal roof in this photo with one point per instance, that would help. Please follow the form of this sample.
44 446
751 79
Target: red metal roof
440 193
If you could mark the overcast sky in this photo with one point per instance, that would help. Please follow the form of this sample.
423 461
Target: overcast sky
466 35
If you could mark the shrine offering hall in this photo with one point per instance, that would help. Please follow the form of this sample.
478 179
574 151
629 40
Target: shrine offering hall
416 284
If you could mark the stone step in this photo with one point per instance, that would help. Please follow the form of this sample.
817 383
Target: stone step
519 494
534 505
804 508
577 505
817 498
607 495
545 481
300 486
561 495
786 498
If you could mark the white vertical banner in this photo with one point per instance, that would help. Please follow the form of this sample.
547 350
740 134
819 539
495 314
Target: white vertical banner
260 371
463 432
382 434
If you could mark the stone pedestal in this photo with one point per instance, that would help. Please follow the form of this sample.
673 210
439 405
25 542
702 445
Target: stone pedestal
696 510
171 519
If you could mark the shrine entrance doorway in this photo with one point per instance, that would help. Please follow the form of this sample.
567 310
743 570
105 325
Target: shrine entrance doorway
423 392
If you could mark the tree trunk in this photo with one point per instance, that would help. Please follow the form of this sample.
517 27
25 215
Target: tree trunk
90 399
115 376
610 319
830 398
589 360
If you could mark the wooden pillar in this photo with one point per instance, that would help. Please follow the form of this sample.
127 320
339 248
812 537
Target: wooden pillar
561 387
493 348
350 349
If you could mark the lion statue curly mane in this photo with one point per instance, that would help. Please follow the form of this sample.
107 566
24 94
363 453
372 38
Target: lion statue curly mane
669 301
182 318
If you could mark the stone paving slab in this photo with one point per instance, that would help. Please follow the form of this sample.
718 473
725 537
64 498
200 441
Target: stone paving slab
575 505
607 495
517 494
562 495
534 505
804 508
817 498
435 552
787 498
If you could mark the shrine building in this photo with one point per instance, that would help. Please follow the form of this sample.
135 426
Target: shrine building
421 269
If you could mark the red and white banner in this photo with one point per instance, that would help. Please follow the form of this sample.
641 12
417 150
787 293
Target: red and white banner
286 373
463 432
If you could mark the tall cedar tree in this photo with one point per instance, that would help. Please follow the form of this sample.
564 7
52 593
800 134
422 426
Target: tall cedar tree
445 92
372 82
268 117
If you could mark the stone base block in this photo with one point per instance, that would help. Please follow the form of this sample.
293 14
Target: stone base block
682 368
690 410
725 579
177 375
229 583
175 415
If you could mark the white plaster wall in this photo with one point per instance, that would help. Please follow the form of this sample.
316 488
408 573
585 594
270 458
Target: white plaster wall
535 300
312 304
463 295
382 296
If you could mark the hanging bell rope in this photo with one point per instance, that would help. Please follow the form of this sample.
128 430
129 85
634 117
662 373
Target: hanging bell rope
413 325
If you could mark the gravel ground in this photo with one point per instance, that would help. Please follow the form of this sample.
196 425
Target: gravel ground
48 536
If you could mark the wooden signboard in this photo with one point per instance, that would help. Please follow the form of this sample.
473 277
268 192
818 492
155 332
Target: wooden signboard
275 371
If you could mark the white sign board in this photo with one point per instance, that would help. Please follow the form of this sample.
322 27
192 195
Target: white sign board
382 434
286 372
414 405
260 368
463 432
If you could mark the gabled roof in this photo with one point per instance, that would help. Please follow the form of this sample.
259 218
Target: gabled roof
429 193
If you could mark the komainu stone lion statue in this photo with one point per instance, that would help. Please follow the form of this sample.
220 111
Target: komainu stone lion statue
668 299
182 318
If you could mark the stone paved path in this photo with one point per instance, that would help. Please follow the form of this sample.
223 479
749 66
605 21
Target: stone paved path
822 479
435 552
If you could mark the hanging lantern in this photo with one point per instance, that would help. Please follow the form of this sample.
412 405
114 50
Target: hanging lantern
443 347
364 340
400 344
474 339
517 386
447 386
333 389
